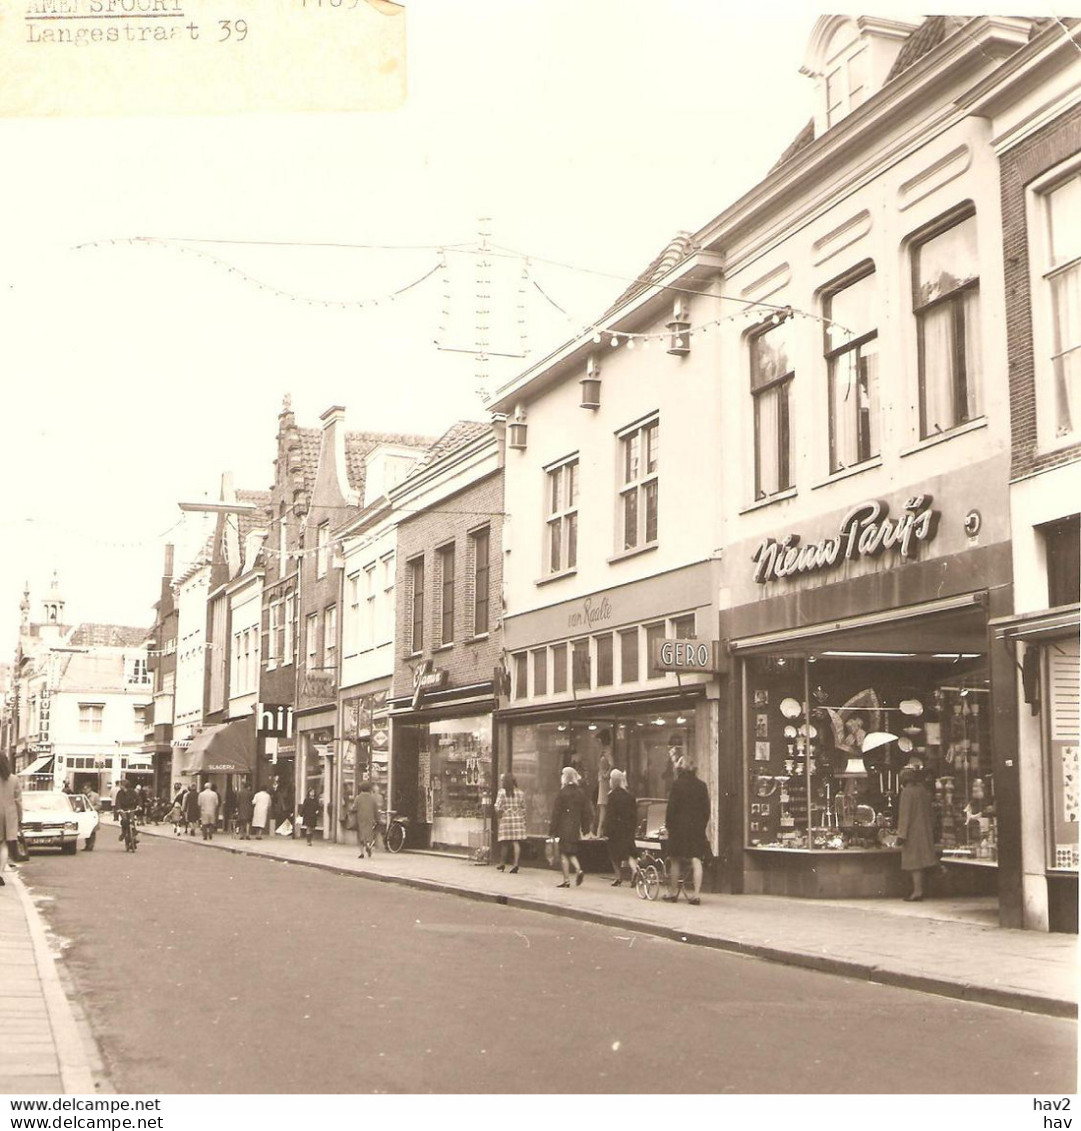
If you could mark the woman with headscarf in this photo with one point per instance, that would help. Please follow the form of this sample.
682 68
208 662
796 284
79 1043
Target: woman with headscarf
510 808
620 819
367 806
915 827
572 816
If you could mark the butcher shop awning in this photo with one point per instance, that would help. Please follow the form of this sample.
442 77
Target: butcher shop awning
225 749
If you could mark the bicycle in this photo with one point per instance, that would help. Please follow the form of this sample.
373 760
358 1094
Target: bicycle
394 831
128 832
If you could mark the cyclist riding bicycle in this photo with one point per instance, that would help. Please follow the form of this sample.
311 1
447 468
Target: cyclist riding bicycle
125 805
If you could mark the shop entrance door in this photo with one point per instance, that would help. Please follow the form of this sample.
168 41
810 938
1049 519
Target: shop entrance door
410 786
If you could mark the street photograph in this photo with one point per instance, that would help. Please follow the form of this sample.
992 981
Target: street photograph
385 711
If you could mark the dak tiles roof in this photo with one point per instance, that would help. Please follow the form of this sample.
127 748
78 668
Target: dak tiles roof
253 520
108 636
458 435
359 444
674 252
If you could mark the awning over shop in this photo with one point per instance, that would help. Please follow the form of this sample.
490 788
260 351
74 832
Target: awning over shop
38 766
225 749
1048 622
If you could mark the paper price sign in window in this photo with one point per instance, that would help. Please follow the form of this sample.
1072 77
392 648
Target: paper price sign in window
150 57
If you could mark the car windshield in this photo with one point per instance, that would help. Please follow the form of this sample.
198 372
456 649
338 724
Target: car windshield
40 801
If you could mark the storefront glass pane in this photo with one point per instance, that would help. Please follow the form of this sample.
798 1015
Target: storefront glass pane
827 741
644 743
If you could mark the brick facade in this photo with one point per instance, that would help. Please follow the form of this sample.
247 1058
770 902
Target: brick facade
455 521
1030 159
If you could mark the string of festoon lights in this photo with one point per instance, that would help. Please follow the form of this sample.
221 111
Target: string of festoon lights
183 247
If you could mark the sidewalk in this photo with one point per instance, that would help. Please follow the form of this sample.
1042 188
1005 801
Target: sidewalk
938 947
41 1051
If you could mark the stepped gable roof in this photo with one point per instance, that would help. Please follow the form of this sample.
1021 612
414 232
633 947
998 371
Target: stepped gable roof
359 444
108 636
674 252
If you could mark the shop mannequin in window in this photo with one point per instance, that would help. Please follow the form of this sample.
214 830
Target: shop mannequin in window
604 770
915 827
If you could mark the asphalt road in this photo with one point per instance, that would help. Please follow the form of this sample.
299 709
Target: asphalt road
205 972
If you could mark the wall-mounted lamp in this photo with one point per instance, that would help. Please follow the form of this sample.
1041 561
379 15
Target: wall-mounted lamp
591 384
679 327
516 430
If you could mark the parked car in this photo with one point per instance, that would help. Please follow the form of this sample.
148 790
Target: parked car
88 819
49 820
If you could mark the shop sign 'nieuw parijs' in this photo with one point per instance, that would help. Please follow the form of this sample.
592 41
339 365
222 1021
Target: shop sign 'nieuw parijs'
865 531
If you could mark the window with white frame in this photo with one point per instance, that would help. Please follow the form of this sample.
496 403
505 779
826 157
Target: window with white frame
852 372
370 595
521 675
386 614
416 629
322 544
330 635
351 624
772 373
946 304
639 449
90 717
1060 268
446 563
846 82
481 543
562 516
234 663
288 620
272 634
311 638
135 671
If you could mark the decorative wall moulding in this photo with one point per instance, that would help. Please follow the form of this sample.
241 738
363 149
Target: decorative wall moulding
841 237
934 177
768 284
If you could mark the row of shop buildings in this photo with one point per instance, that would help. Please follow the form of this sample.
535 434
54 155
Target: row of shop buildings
812 480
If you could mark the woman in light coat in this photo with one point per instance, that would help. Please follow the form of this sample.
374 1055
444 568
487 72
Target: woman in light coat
915 827
510 808
260 813
11 811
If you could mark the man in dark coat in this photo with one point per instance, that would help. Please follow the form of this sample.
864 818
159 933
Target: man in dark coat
685 819
244 810
191 809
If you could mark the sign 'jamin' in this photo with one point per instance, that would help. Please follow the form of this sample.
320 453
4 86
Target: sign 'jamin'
685 655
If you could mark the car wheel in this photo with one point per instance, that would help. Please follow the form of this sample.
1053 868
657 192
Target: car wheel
90 840
70 849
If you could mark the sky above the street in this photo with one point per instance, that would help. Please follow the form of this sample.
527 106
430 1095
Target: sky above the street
136 373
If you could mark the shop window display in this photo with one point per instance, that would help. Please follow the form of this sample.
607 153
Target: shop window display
643 743
827 740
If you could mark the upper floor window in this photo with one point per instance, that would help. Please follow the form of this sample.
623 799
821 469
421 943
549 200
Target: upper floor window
446 594
135 671
772 371
639 453
521 675
946 303
1062 545
846 84
311 633
274 616
289 613
562 532
330 635
481 549
322 545
90 717
351 627
385 627
1061 270
852 365
416 577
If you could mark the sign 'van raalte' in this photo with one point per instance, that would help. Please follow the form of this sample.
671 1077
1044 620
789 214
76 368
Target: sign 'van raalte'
866 531
590 613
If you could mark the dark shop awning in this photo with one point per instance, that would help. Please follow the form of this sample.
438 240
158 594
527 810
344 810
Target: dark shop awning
225 749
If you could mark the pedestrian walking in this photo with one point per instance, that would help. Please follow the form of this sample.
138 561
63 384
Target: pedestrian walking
260 813
208 810
92 797
176 815
191 809
620 821
367 806
572 817
915 827
685 819
11 811
244 810
510 809
309 813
